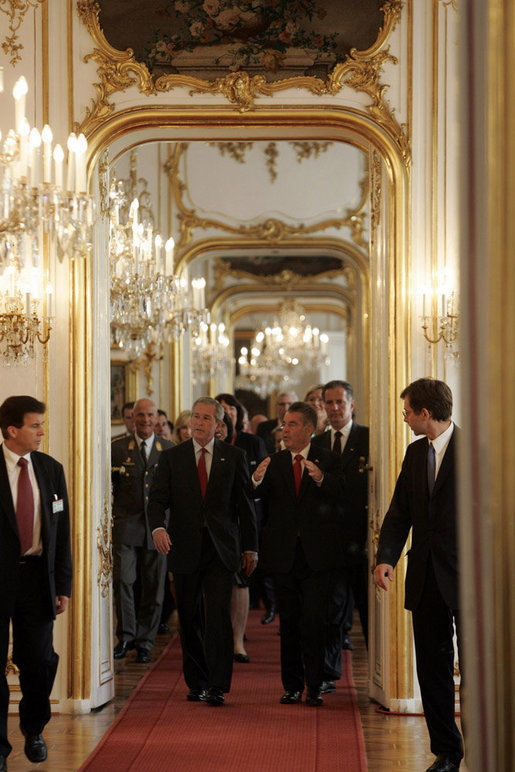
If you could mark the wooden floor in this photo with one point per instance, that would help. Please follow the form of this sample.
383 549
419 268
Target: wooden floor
392 742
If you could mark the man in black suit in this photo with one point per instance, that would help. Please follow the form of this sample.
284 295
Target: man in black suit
285 400
134 462
302 547
211 534
350 441
425 500
35 567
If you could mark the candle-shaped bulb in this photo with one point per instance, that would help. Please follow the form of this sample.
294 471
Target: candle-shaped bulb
58 160
80 152
20 91
72 148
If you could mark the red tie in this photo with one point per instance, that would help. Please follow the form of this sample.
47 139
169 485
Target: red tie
297 472
202 472
25 507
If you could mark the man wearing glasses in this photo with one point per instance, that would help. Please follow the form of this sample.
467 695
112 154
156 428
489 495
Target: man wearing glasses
425 500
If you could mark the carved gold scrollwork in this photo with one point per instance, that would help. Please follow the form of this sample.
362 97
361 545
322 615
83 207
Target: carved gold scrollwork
271 229
376 194
103 181
15 10
10 667
105 557
360 71
286 278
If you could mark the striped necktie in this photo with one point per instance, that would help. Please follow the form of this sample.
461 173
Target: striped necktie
25 507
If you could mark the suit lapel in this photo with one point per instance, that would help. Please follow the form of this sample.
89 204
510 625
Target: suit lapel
350 446
44 497
446 466
6 498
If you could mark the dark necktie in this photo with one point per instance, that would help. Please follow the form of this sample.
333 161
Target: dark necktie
25 507
297 472
202 472
431 468
143 451
337 444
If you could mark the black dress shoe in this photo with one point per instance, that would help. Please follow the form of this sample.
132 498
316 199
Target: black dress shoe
3 764
444 762
121 649
35 748
143 655
327 687
290 697
268 617
215 697
314 698
241 658
346 643
196 695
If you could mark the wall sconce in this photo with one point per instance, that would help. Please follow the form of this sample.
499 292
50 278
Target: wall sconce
442 327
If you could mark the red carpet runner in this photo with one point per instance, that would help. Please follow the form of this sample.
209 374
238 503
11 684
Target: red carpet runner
158 730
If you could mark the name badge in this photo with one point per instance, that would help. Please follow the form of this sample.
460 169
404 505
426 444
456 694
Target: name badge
57 506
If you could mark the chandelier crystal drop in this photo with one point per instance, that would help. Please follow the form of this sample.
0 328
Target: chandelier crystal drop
45 214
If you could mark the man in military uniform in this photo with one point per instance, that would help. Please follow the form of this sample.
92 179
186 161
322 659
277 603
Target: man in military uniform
134 460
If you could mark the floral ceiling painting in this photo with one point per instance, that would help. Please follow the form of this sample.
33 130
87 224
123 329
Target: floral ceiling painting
205 38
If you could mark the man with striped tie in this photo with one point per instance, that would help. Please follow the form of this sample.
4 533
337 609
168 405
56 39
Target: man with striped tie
424 501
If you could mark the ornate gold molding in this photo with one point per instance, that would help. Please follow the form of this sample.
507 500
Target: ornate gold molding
361 70
287 278
271 230
15 10
103 183
105 556
376 194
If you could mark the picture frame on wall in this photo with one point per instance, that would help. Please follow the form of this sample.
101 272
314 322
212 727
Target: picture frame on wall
118 390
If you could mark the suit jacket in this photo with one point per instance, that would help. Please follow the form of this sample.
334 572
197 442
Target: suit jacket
315 515
226 511
264 430
131 487
433 520
255 450
355 489
55 533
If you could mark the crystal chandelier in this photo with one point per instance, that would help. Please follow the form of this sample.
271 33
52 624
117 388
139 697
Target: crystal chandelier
39 217
210 352
279 355
149 303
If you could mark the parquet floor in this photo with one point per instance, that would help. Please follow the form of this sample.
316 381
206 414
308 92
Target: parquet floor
392 742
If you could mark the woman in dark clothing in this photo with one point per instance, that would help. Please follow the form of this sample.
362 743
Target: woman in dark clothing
255 449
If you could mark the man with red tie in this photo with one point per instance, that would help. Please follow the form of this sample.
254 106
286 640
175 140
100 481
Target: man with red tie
211 534
302 547
424 502
35 567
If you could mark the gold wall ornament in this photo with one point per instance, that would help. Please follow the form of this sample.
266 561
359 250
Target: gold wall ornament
118 70
222 270
235 150
15 10
271 154
375 194
105 556
103 183
303 150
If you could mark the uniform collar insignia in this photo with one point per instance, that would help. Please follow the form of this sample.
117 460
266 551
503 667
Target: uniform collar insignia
132 445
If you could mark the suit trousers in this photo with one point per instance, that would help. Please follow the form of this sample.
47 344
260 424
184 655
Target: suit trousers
204 608
303 597
33 651
138 623
433 631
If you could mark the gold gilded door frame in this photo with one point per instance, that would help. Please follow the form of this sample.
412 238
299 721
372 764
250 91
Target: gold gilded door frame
129 127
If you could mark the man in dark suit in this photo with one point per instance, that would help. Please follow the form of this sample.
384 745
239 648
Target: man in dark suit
211 534
35 567
264 430
134 462
350 441
425 500
302 547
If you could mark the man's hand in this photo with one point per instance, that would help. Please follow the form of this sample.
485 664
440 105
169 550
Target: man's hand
249 561
61 601
261 469
314 471
382 571
162 540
